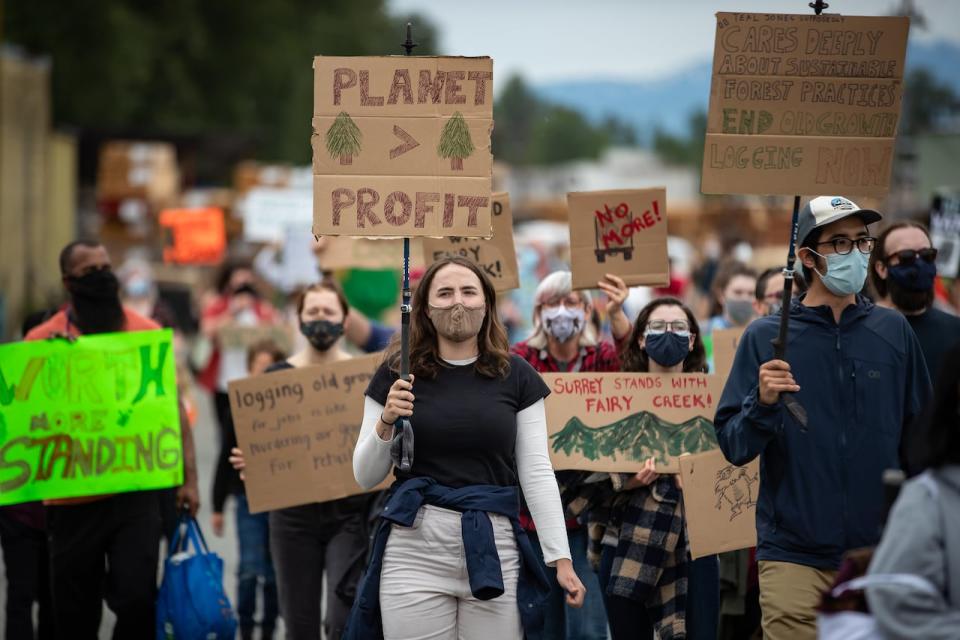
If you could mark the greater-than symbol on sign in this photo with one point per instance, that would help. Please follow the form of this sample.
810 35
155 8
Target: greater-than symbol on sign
408 142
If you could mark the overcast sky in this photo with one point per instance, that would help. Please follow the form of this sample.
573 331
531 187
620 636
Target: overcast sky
622 39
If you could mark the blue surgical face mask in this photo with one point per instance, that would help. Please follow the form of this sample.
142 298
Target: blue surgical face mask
667 348
845 273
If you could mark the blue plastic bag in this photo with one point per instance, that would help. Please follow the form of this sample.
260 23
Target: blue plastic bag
191 604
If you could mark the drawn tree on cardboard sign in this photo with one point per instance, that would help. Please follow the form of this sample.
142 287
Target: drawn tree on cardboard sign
455 142
343 138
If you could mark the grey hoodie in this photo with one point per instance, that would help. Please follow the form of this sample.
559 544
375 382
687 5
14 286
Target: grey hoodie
922 539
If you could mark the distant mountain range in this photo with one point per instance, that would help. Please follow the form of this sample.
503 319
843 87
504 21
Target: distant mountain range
668 102
636 437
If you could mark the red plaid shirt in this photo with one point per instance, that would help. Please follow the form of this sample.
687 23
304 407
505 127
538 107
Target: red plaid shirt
603 357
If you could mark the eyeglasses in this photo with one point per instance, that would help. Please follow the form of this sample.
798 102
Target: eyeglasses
909 256
676 326
773 296
843 246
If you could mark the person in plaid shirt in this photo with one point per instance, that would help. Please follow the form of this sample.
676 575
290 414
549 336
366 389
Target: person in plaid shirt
564 339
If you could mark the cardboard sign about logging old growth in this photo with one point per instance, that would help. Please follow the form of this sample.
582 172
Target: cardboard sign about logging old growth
623 232
720 503
616 421
298 428
496 256
804 104
401 146
725 343
84 418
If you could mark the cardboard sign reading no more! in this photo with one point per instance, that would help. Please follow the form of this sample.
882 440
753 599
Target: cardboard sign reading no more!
623 232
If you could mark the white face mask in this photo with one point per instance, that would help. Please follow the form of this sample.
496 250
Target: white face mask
562 323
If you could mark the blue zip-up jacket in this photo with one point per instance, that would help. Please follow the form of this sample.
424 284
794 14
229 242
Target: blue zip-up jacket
479 545
861 382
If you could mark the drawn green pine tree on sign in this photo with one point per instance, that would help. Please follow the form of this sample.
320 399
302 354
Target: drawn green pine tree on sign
343 138
455 142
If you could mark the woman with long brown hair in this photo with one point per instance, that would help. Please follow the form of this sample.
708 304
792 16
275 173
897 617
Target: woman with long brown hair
450 559
651 588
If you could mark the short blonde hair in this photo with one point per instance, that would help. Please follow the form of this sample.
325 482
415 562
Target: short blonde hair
559 284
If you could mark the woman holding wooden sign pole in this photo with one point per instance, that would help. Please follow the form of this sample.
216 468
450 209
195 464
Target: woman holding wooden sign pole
450 558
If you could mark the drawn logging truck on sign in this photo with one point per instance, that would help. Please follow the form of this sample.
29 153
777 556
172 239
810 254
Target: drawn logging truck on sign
610 242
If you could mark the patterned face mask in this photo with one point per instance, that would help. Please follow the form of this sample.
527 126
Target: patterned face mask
457 322
563 323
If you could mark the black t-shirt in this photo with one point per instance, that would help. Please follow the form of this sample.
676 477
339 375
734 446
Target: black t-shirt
464 424
937 332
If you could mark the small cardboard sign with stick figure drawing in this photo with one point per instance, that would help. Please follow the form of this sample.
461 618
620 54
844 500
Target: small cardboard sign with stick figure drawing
623 232
720 503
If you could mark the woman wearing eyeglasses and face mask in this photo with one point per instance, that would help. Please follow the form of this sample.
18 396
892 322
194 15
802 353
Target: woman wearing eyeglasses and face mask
565 339
450 559
654 599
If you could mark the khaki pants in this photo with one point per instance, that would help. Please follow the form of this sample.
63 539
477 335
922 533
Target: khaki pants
424 588
788 594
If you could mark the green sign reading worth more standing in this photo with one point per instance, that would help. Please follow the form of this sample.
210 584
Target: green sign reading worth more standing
87 417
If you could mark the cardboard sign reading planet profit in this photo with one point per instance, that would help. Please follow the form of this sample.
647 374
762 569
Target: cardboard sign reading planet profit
401 146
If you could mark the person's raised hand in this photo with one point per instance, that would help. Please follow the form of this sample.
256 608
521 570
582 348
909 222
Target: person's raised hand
775 378
616 290
399 401
570 583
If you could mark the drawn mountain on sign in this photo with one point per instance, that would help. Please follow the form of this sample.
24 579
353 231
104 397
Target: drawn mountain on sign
636 438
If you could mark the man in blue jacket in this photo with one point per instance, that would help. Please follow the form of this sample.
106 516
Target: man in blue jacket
858 371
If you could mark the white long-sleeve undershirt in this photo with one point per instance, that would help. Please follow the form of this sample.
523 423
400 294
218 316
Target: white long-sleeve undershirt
372 463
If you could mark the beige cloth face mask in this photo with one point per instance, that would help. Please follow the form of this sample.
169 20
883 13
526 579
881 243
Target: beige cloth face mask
457 322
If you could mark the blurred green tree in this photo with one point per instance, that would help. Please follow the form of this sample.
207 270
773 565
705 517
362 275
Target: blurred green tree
530 130
925 99
187 67
683 150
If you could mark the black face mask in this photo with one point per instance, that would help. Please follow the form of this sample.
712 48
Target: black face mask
96 301
909 300
322 334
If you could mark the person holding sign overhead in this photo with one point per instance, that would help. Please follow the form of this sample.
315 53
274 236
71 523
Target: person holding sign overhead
858 371
310 539
450 558
564 339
